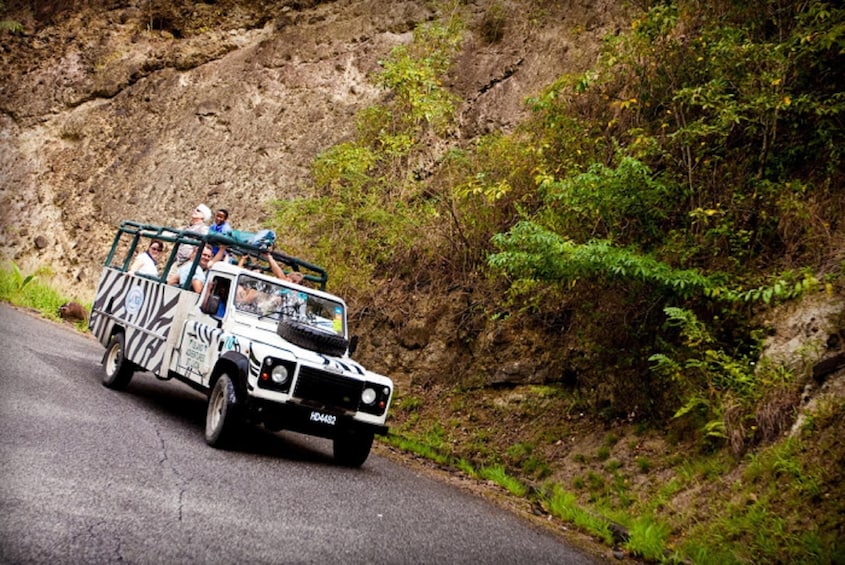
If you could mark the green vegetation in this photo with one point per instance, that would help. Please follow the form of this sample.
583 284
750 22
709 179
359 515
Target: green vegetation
32 291
637 226
364 194
500 476
643 216
566 506
12 26
696 168
647 538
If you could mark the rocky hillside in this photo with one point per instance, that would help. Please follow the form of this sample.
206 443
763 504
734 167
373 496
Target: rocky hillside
141 109
136 109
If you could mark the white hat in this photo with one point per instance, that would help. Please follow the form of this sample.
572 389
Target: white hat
206 212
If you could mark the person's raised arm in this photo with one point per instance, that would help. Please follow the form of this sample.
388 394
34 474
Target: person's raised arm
219 256
277 270
293 277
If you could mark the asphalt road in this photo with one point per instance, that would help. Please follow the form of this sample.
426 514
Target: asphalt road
89 475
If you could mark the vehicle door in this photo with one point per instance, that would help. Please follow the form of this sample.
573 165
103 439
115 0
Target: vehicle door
203 334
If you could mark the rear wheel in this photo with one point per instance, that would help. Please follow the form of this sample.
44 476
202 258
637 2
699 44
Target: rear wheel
222 418
352 447
117 369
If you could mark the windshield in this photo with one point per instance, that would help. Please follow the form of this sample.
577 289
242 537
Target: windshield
272 300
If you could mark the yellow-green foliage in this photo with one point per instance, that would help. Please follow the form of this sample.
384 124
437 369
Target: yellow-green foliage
564 505
30 291
694 166
365 211
12 26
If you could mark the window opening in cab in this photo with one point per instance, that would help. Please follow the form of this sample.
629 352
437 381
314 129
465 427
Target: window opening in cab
276 301
219 287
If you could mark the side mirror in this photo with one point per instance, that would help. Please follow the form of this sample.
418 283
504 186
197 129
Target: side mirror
210 306
353 345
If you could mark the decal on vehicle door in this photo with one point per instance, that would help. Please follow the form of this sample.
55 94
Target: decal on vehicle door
134 300
231 343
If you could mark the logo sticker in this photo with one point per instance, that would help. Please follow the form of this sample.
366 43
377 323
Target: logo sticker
134 300
232 344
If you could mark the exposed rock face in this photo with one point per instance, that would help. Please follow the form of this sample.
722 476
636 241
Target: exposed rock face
141 109
113 110
808 336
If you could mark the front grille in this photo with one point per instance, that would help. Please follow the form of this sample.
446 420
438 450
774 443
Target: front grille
328 389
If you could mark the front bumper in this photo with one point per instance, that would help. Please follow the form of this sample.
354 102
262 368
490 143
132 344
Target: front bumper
309 419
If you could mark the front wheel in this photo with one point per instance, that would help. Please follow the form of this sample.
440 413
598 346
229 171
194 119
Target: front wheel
117 369
352 447
222 418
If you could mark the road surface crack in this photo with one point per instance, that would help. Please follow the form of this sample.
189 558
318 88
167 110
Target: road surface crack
182 483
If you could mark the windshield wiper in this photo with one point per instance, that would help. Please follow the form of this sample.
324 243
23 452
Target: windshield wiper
286 312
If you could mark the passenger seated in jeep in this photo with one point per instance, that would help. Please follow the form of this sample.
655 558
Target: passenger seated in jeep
181 276
248 296
147 262
257 296
294 276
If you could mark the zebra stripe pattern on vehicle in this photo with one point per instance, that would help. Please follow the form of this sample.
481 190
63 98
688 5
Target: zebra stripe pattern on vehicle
204 333
134 303
254 363
347 366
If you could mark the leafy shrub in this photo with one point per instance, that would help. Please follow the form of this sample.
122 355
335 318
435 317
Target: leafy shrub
31 291
364 216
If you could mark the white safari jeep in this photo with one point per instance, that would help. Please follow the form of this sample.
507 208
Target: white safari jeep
264 350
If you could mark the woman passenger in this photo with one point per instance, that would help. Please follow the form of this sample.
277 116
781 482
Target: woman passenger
146 262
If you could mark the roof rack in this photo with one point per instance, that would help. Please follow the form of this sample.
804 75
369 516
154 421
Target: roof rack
238 248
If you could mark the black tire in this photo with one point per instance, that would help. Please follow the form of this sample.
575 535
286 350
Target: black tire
311 338
117 369
352 447
222 418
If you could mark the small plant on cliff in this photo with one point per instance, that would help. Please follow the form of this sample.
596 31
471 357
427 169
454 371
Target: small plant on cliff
365 210
12 26
719 390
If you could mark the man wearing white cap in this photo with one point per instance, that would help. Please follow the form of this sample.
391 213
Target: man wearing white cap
199 224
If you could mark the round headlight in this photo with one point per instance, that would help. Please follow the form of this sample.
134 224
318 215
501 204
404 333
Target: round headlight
368 396
279 374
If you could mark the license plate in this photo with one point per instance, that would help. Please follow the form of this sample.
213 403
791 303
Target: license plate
328 419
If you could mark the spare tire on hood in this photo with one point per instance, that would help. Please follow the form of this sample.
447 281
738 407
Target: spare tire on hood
312 338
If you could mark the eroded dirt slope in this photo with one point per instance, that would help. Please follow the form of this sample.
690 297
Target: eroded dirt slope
139 110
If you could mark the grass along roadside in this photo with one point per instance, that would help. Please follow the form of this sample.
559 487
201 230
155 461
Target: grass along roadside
34 291
643 492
